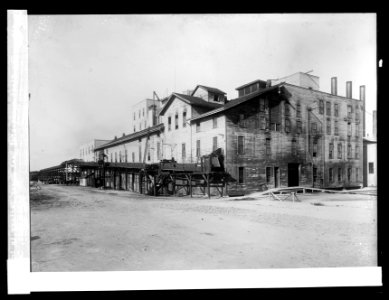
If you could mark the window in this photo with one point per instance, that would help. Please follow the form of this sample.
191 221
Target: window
198 127
120 156
216 98
349 132
298 109
328 107
314 148
336 110
287 110
198 148
169 123
262 104
140 153
275 126
357 174
158 150
247 90
356 152
331 151
287 125
148 155
184 119
299 127
176 120
254 88
328 126
263 123
183 151
349 111
133 156
267 146
313 127
331 175
294 146
356 114
336 128
125 153
241 175
371 167
214 122
140 126
356 130
241 117
349 173
111 158
240 145
116 157
321 107
340 173
349 151
340 150
214 143
241 93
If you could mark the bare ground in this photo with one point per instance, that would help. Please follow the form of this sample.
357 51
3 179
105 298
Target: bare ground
77 228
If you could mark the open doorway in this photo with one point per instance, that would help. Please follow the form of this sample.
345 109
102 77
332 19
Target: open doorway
276 177
293 174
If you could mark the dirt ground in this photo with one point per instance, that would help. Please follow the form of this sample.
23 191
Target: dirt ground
77 228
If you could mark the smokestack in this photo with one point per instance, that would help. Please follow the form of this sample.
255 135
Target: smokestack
362 98
334 86
375 124
349 89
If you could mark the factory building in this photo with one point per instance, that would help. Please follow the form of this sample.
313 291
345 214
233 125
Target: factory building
87 150
277 133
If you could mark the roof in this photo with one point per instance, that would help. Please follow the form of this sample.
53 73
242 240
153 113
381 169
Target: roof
369 140
250 83
236 102
132 136
208 88
195 101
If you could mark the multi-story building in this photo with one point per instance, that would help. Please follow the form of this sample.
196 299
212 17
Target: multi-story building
87 151
277 133
144 114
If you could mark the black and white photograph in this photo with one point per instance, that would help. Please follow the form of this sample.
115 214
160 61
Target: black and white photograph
201 142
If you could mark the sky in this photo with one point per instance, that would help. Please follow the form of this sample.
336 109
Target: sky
86 71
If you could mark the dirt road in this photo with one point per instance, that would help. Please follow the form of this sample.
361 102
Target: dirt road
85 229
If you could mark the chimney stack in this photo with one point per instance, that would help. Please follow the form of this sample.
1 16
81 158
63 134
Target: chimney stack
334 86
362 98
349 89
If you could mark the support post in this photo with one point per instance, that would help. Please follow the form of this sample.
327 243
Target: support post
190 185
208 187
155 185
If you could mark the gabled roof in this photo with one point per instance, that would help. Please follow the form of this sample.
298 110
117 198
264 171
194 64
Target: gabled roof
236 102
210 89
131 137
195 101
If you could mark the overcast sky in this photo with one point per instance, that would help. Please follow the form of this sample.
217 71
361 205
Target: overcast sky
86 71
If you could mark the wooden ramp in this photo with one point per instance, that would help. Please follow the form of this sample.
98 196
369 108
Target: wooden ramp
290 193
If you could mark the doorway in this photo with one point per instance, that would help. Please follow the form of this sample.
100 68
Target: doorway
276 177
293 174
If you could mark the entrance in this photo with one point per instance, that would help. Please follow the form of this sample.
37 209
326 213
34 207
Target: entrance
293 174
276 177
